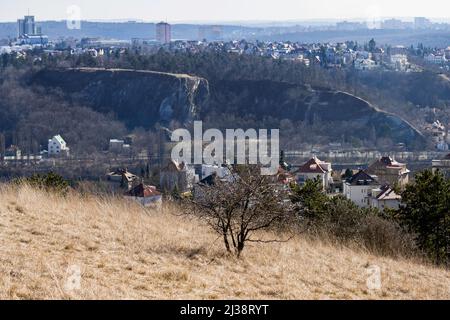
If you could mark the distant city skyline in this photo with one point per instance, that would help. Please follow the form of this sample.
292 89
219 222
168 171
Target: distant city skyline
224 10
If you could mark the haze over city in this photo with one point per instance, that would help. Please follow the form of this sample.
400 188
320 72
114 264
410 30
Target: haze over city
229 10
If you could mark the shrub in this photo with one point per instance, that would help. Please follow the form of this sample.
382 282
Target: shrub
50 182
386 237
342 220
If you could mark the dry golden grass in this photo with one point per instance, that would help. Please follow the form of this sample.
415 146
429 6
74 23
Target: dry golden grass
124 252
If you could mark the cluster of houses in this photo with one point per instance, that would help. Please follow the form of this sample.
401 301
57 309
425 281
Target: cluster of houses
56 147
175 177
374 187
347 54
439 135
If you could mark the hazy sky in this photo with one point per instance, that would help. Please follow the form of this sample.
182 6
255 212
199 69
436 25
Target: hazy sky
224 10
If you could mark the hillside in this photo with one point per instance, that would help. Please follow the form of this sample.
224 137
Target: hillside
138 98
143 98
124 252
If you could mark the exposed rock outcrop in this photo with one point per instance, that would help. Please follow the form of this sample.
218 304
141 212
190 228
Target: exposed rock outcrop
138 98
143 98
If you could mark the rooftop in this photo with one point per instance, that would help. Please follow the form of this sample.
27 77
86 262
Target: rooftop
362 178
313 166
387 193
143 191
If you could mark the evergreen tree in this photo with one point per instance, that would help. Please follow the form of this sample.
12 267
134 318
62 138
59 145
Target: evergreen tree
426 212
147 171
372 45
348 174
310 199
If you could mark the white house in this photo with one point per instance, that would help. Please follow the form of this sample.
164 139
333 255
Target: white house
118 146
399 62
315 169
57 146
359 188
385 198
365 64
436 58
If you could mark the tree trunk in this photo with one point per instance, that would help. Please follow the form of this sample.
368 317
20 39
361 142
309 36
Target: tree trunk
227 244
240 247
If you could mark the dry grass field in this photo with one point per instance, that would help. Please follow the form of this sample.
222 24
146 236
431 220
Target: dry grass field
123 252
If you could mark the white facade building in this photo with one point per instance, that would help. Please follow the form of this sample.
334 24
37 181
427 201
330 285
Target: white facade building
399 62
436 58
57 146
359 188
315 169
365 64
385 198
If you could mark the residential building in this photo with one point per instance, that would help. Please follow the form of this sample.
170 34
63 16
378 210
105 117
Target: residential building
13 153
283 177
438 135
399 62
365 64
118 146
57 147
163 32
447 53
439 59
220 171
145 195
390 172
122 179
178 176
402 50
384 197
315 169
443 165
359 188
33 40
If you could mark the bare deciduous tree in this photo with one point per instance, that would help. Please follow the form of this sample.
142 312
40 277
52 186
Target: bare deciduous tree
239 208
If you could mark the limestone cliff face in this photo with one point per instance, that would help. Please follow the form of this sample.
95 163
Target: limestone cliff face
138 98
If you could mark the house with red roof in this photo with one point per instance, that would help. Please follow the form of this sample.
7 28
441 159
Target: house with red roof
315 169
389 171
147 196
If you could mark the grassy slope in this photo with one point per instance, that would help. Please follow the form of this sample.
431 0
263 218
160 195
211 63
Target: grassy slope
124 252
